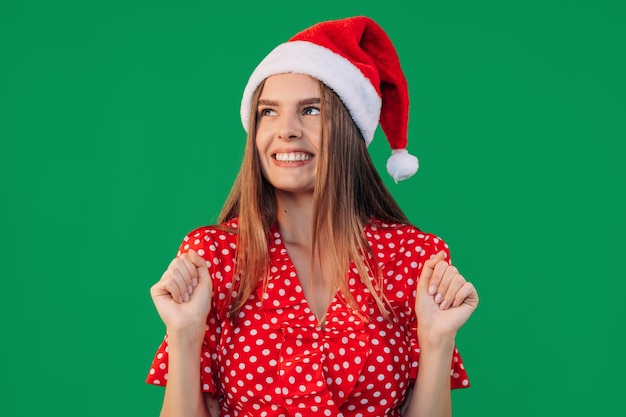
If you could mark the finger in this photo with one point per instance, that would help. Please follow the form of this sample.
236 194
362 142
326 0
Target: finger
159 290
188 271
175 284
456 283
429 267
448 272
184 280
201 268
166 287
467 294
437 277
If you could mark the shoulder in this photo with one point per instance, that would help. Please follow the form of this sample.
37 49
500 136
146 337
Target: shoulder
217 245
400 251
214 239
397 241
377 231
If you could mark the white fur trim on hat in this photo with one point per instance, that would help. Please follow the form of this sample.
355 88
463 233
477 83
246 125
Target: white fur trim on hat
301 57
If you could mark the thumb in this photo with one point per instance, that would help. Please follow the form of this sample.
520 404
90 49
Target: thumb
200 264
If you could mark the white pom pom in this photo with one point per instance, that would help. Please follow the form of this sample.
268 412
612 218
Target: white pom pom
401 164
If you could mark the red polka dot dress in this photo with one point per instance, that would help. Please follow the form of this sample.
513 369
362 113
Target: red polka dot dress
277 361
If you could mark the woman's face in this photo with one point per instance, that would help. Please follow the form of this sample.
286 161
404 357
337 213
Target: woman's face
289 130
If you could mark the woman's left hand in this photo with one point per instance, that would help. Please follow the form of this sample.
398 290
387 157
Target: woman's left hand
445 300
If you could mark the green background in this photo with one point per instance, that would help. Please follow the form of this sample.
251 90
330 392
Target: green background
119 133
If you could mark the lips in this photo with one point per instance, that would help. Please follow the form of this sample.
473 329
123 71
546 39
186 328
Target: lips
292 156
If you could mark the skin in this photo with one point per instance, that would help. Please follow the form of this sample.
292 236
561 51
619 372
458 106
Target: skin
182 298
289 122
444 302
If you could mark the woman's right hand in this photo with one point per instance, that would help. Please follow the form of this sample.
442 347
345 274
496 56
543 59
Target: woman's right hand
183 295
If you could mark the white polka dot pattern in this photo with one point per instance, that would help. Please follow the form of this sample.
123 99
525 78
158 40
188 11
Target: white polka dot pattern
276 361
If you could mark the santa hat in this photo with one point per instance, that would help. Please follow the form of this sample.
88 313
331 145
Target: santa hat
356 59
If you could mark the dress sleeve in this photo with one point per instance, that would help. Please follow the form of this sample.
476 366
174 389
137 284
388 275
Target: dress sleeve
157 375
429 245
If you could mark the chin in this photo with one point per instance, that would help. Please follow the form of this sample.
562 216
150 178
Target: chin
295 189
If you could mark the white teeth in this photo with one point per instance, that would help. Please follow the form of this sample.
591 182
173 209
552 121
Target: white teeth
293 156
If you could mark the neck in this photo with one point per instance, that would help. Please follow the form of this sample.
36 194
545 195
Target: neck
295 217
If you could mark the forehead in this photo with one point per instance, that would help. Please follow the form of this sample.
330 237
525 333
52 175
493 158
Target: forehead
290 86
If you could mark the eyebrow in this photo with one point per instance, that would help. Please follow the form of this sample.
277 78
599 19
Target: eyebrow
303 102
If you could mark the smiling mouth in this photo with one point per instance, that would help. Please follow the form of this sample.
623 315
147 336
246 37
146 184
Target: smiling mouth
293 156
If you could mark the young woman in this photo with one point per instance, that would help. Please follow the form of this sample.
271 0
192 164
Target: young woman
314 295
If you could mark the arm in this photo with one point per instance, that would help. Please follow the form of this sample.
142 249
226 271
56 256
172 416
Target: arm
183 299
443 304
430 395
183 396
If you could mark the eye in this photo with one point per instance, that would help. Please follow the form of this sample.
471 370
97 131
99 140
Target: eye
266 112
312 111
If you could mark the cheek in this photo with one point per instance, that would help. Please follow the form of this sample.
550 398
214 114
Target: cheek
262 158
262 138
314 133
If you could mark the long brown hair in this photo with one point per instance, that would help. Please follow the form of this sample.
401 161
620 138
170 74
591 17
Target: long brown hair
348 194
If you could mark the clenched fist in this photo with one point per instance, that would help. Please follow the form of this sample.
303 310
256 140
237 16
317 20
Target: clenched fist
183 295
445 300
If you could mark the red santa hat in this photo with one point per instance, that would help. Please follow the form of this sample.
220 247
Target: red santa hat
356 59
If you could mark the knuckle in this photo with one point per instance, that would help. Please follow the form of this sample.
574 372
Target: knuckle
169 275
175 271
453 269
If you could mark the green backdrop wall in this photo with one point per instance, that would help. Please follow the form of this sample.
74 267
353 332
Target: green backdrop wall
119 133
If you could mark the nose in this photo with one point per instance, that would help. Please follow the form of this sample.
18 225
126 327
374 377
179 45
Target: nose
290 127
